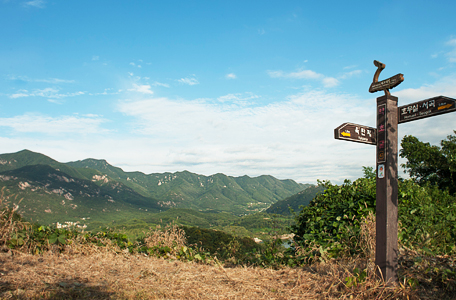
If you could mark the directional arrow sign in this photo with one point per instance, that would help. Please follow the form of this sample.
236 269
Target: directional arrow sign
426 108
356 133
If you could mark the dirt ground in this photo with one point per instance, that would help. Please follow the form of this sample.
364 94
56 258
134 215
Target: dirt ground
124 276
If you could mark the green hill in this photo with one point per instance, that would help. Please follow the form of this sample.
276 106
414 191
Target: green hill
238 195
294 202
56 192
47 195
11 161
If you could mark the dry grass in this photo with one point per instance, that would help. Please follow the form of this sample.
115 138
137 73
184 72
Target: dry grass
117 276
86 271
172 236
368 236
8 224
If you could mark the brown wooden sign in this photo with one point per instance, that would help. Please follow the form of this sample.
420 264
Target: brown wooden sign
385 137
386 84
426 108
356 133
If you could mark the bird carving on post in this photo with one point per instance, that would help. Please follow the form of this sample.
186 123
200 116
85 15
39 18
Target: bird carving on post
386 84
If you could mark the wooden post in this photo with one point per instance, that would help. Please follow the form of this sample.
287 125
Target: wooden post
387 187
388 117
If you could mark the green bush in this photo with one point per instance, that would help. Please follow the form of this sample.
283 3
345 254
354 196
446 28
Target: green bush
428 218
330 224
331 221
219 243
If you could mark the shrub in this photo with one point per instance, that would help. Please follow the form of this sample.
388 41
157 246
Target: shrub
330 225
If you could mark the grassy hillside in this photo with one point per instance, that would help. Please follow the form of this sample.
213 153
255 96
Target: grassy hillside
295 202
238 195
11 161
260 225
98 194
47 195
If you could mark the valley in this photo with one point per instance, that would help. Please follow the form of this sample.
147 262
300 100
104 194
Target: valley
94 194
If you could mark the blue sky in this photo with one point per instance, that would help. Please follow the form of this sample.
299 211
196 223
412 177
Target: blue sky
234 87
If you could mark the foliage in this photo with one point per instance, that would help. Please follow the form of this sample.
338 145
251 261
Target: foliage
429 163
296 202
218 243
237 195
369 172
331 222
332 219
428 218
174 243
260 225
333 226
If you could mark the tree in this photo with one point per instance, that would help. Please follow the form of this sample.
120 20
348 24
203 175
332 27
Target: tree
431 164
369 172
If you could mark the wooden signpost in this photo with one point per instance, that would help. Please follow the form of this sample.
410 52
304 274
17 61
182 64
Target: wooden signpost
356 133
385 137
426 108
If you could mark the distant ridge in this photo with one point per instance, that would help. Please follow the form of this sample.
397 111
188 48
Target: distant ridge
184 189
218 192
11 161
295 202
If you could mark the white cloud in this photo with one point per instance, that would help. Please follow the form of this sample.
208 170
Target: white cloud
309 74
46 92
330 82
156 83
54 80
45 80
238 98
189 81
35 3
289 139
452 54
292 138
432 129
108 91
18 95
230 76
136 64
143 89
306 74
34 123
350 74
444 87
451 42
95 57
55 101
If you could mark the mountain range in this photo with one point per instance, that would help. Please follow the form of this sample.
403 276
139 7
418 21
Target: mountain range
51 191
296 202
